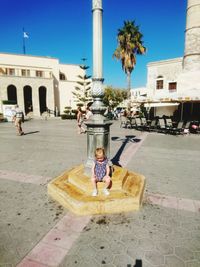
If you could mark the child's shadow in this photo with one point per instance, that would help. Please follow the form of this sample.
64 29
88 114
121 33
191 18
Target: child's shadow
138 263
111 174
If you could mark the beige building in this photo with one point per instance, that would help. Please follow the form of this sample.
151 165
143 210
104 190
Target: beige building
36 83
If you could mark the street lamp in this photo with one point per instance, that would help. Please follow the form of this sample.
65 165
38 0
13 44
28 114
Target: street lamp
98 127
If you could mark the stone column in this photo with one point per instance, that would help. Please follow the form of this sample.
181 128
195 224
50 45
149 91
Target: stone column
50 96
97 38
35 101
191 61
20 97
98 127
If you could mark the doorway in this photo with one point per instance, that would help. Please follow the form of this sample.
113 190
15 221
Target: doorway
12 94
42 99
28 107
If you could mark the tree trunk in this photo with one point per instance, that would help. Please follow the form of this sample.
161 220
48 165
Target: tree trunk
129 89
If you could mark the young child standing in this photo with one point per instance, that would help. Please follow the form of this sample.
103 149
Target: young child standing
100 172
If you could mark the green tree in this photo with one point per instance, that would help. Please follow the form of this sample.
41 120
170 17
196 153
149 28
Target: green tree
114 96
130 44
82 92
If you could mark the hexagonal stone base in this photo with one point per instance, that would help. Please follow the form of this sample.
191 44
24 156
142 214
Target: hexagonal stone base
73 189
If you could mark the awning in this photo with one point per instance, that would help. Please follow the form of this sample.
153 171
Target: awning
188 99
150 105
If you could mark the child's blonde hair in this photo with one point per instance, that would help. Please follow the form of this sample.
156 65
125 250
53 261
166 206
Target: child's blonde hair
100 151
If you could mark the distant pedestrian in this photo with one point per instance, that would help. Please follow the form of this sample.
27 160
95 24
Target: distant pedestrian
88 113
30 108
18 118
100 172
46 113
80 119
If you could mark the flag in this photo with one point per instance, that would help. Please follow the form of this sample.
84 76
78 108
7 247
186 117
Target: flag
26 35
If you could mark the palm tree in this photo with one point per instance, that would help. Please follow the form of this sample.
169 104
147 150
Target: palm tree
130 44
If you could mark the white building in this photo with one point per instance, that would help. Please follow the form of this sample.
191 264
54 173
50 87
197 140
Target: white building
174 81
162 78
36 83
138 93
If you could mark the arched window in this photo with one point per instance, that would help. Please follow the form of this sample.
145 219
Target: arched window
12 93
62 76
28 99
159 82
42 99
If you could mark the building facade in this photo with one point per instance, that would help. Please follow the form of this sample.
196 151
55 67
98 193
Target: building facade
138 93
37 83
162 78
178 80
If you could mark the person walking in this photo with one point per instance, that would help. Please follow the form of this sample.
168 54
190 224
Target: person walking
18 118
88 113
80 119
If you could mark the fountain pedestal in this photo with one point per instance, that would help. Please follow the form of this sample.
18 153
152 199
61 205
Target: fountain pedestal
73 188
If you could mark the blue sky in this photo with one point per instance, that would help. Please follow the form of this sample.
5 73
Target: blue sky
63 29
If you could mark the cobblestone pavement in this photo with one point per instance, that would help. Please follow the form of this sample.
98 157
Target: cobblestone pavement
35 231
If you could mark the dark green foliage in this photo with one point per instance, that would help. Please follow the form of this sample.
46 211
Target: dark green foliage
68 116
82 92
67 110
9 102
113 96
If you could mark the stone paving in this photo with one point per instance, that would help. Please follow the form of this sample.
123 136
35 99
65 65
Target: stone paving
157 236
35 231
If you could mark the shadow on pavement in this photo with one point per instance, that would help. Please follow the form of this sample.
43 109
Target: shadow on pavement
31 132
125 141
138 263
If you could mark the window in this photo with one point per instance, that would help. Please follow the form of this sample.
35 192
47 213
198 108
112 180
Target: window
172 86
12 93
2 71
11 71
62 76
25 72
39 73
159 84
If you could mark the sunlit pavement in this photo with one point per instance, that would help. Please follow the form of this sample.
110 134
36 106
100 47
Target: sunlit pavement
36 231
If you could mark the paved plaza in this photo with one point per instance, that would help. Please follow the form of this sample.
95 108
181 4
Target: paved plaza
35 231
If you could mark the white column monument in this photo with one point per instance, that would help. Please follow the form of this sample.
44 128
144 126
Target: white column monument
189 81
191 61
